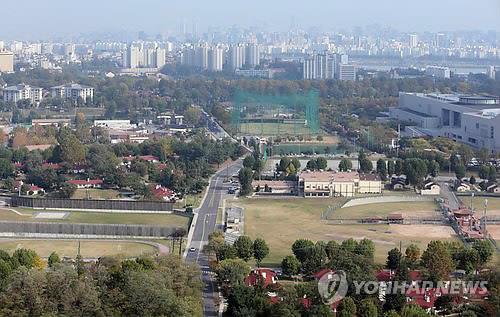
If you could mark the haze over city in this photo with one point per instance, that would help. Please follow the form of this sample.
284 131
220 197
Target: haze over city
46 19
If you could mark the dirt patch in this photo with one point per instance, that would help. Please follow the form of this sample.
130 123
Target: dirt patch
494 230
428 231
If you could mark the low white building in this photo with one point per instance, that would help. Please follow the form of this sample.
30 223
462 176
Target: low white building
438 71
337 184
430 188
115 124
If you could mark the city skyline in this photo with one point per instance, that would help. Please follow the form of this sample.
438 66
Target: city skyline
44 19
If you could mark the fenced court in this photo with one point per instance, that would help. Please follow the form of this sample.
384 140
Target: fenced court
275 115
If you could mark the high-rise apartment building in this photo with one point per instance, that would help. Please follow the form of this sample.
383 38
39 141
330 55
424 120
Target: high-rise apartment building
6 61
137 56
216 59
252 55
236 56
412 40
328 66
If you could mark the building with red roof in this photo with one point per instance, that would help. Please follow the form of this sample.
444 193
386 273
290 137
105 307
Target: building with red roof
35 190
163 193
261 276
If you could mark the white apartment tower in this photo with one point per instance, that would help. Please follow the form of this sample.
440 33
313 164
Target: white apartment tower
236 56
6 61
140 57
216 59
253 55
412 40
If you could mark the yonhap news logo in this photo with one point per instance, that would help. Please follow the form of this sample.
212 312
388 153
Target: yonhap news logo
332 286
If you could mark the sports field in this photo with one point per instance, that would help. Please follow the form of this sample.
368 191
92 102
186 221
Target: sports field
88 249
493 208
274 129
281 221
96 217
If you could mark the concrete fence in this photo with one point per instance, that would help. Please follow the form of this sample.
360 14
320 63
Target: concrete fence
66 229
92 204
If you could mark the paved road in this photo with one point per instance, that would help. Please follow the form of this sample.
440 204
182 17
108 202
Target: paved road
447 194
207 216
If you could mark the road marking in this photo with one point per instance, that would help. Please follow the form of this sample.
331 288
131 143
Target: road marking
202 237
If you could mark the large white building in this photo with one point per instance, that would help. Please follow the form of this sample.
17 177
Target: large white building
73 92
473 120
22 92
337 184
438 71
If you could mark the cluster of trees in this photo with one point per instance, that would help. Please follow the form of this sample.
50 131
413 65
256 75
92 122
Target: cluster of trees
288 167
186 163
145 286
243 248
315 164
415 169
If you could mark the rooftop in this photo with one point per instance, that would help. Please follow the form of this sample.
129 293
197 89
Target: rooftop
71 86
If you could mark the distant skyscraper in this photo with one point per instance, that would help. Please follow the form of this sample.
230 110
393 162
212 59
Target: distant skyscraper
6 61
491 72
201 56
253 55
412 40
236 56
328 66
440 40
139 57
216 59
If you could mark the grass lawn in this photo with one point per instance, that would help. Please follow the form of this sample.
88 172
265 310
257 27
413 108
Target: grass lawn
274 129
102 218
408 209
287 148
190 199
493 208
96 194
281 221
88 249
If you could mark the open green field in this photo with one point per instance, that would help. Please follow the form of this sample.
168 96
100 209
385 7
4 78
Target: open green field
88 249
408 209
95 194
274 129
281 221
294 148
97 217
493 208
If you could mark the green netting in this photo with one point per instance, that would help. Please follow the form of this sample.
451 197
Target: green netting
275 115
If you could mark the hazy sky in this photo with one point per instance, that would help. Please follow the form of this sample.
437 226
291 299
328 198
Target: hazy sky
42 18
